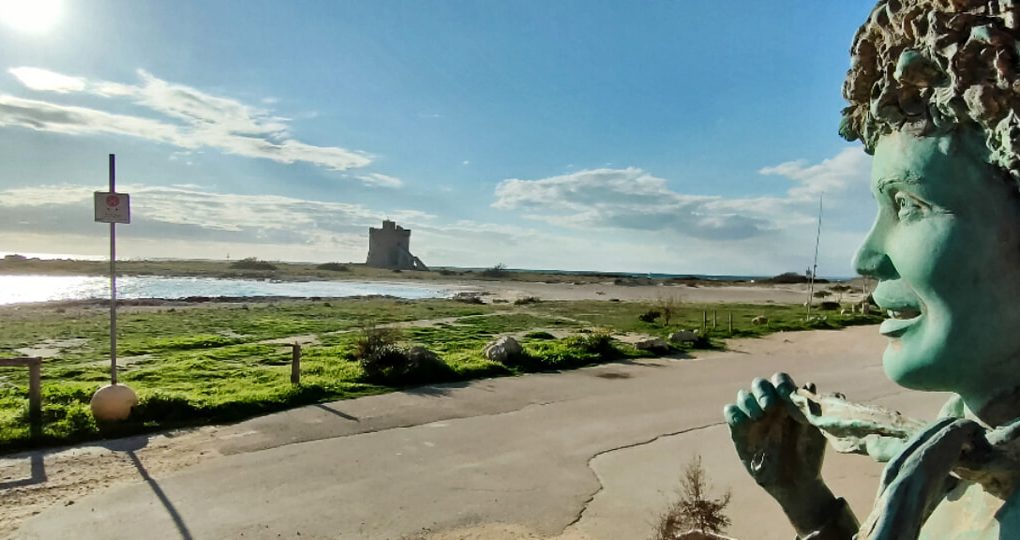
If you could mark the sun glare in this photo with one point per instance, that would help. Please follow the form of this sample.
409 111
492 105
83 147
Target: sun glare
30 16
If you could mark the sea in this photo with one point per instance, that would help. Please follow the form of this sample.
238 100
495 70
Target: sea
17 289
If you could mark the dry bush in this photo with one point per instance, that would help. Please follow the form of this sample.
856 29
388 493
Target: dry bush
693 510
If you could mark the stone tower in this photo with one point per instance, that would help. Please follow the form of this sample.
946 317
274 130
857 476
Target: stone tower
390 247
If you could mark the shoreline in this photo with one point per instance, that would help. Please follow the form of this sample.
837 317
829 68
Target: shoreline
497 292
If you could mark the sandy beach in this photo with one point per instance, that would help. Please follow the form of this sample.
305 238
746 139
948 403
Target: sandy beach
707 293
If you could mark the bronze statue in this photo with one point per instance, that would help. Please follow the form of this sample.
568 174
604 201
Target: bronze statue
934 90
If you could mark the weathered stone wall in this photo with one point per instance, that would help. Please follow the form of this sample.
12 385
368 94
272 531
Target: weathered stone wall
390 247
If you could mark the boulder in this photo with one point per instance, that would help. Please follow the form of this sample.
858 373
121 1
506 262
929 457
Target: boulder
502 349
760 319
652 344
683 336
420 356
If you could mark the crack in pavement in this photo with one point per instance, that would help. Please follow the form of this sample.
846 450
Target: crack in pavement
587 503
584 507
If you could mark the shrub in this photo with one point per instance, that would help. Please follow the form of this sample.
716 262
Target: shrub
527 300
251 263
333 267
384 361
394 365
539 335
373 339
650 316
164 407
693 510
499 270
597 342
572 351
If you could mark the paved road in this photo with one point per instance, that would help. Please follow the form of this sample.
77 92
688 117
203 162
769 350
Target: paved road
595 452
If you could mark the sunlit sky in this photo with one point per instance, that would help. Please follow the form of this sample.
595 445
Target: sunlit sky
658 136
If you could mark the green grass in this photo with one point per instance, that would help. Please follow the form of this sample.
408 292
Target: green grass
211 363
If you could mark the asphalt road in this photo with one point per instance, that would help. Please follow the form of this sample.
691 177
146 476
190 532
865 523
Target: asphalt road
595 453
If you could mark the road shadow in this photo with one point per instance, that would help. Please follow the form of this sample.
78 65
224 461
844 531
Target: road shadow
437 390
182 528
341 414
37 474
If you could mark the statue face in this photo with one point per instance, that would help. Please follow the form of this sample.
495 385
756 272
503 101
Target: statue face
946 249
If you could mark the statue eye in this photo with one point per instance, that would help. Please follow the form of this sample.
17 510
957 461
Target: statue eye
907 207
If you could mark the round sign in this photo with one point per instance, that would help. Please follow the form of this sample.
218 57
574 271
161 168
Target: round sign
112 200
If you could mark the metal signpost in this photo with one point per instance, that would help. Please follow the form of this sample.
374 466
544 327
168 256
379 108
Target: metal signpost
113 208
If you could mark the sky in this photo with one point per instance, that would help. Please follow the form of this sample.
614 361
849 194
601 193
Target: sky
655 136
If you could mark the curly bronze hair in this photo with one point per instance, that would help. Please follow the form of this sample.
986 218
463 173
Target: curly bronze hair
928 66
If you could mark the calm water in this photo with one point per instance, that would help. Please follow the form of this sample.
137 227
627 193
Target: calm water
17 289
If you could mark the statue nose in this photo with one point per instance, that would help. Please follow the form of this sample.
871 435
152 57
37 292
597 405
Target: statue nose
872 260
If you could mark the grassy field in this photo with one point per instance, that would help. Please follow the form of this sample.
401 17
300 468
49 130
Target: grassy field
207 363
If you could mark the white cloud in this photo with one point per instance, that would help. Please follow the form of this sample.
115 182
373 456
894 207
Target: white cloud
186 212
833 176
624 199
381 180
633 199
48 81
187 118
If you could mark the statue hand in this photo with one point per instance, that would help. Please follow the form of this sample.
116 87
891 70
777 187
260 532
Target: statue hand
916 480
780 450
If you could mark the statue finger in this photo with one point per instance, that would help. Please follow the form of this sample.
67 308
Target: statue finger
735 417
784 384
749 404
766 394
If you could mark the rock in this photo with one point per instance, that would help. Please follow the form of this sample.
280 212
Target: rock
419 356
652 344
683 336
760 319
502 349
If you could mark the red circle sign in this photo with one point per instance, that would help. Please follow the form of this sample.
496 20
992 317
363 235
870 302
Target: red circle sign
112 200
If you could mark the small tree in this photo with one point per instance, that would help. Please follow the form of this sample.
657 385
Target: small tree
841 290
499 270
694 510
668 306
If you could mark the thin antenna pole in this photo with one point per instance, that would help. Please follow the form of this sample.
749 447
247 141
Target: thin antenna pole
814 265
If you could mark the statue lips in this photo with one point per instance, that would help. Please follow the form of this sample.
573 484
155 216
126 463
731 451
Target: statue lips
905 309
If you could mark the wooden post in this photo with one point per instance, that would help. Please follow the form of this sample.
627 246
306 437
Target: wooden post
35 391
295 363
729 315
704 321
34 365
715 318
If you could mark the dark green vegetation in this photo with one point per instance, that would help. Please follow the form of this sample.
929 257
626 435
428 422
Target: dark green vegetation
194 364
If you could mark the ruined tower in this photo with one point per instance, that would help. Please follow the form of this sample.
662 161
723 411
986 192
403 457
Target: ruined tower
390 247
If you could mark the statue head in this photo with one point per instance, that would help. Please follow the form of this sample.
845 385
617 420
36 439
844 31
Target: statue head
934 90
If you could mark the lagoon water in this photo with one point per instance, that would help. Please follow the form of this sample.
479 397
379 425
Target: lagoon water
19 289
